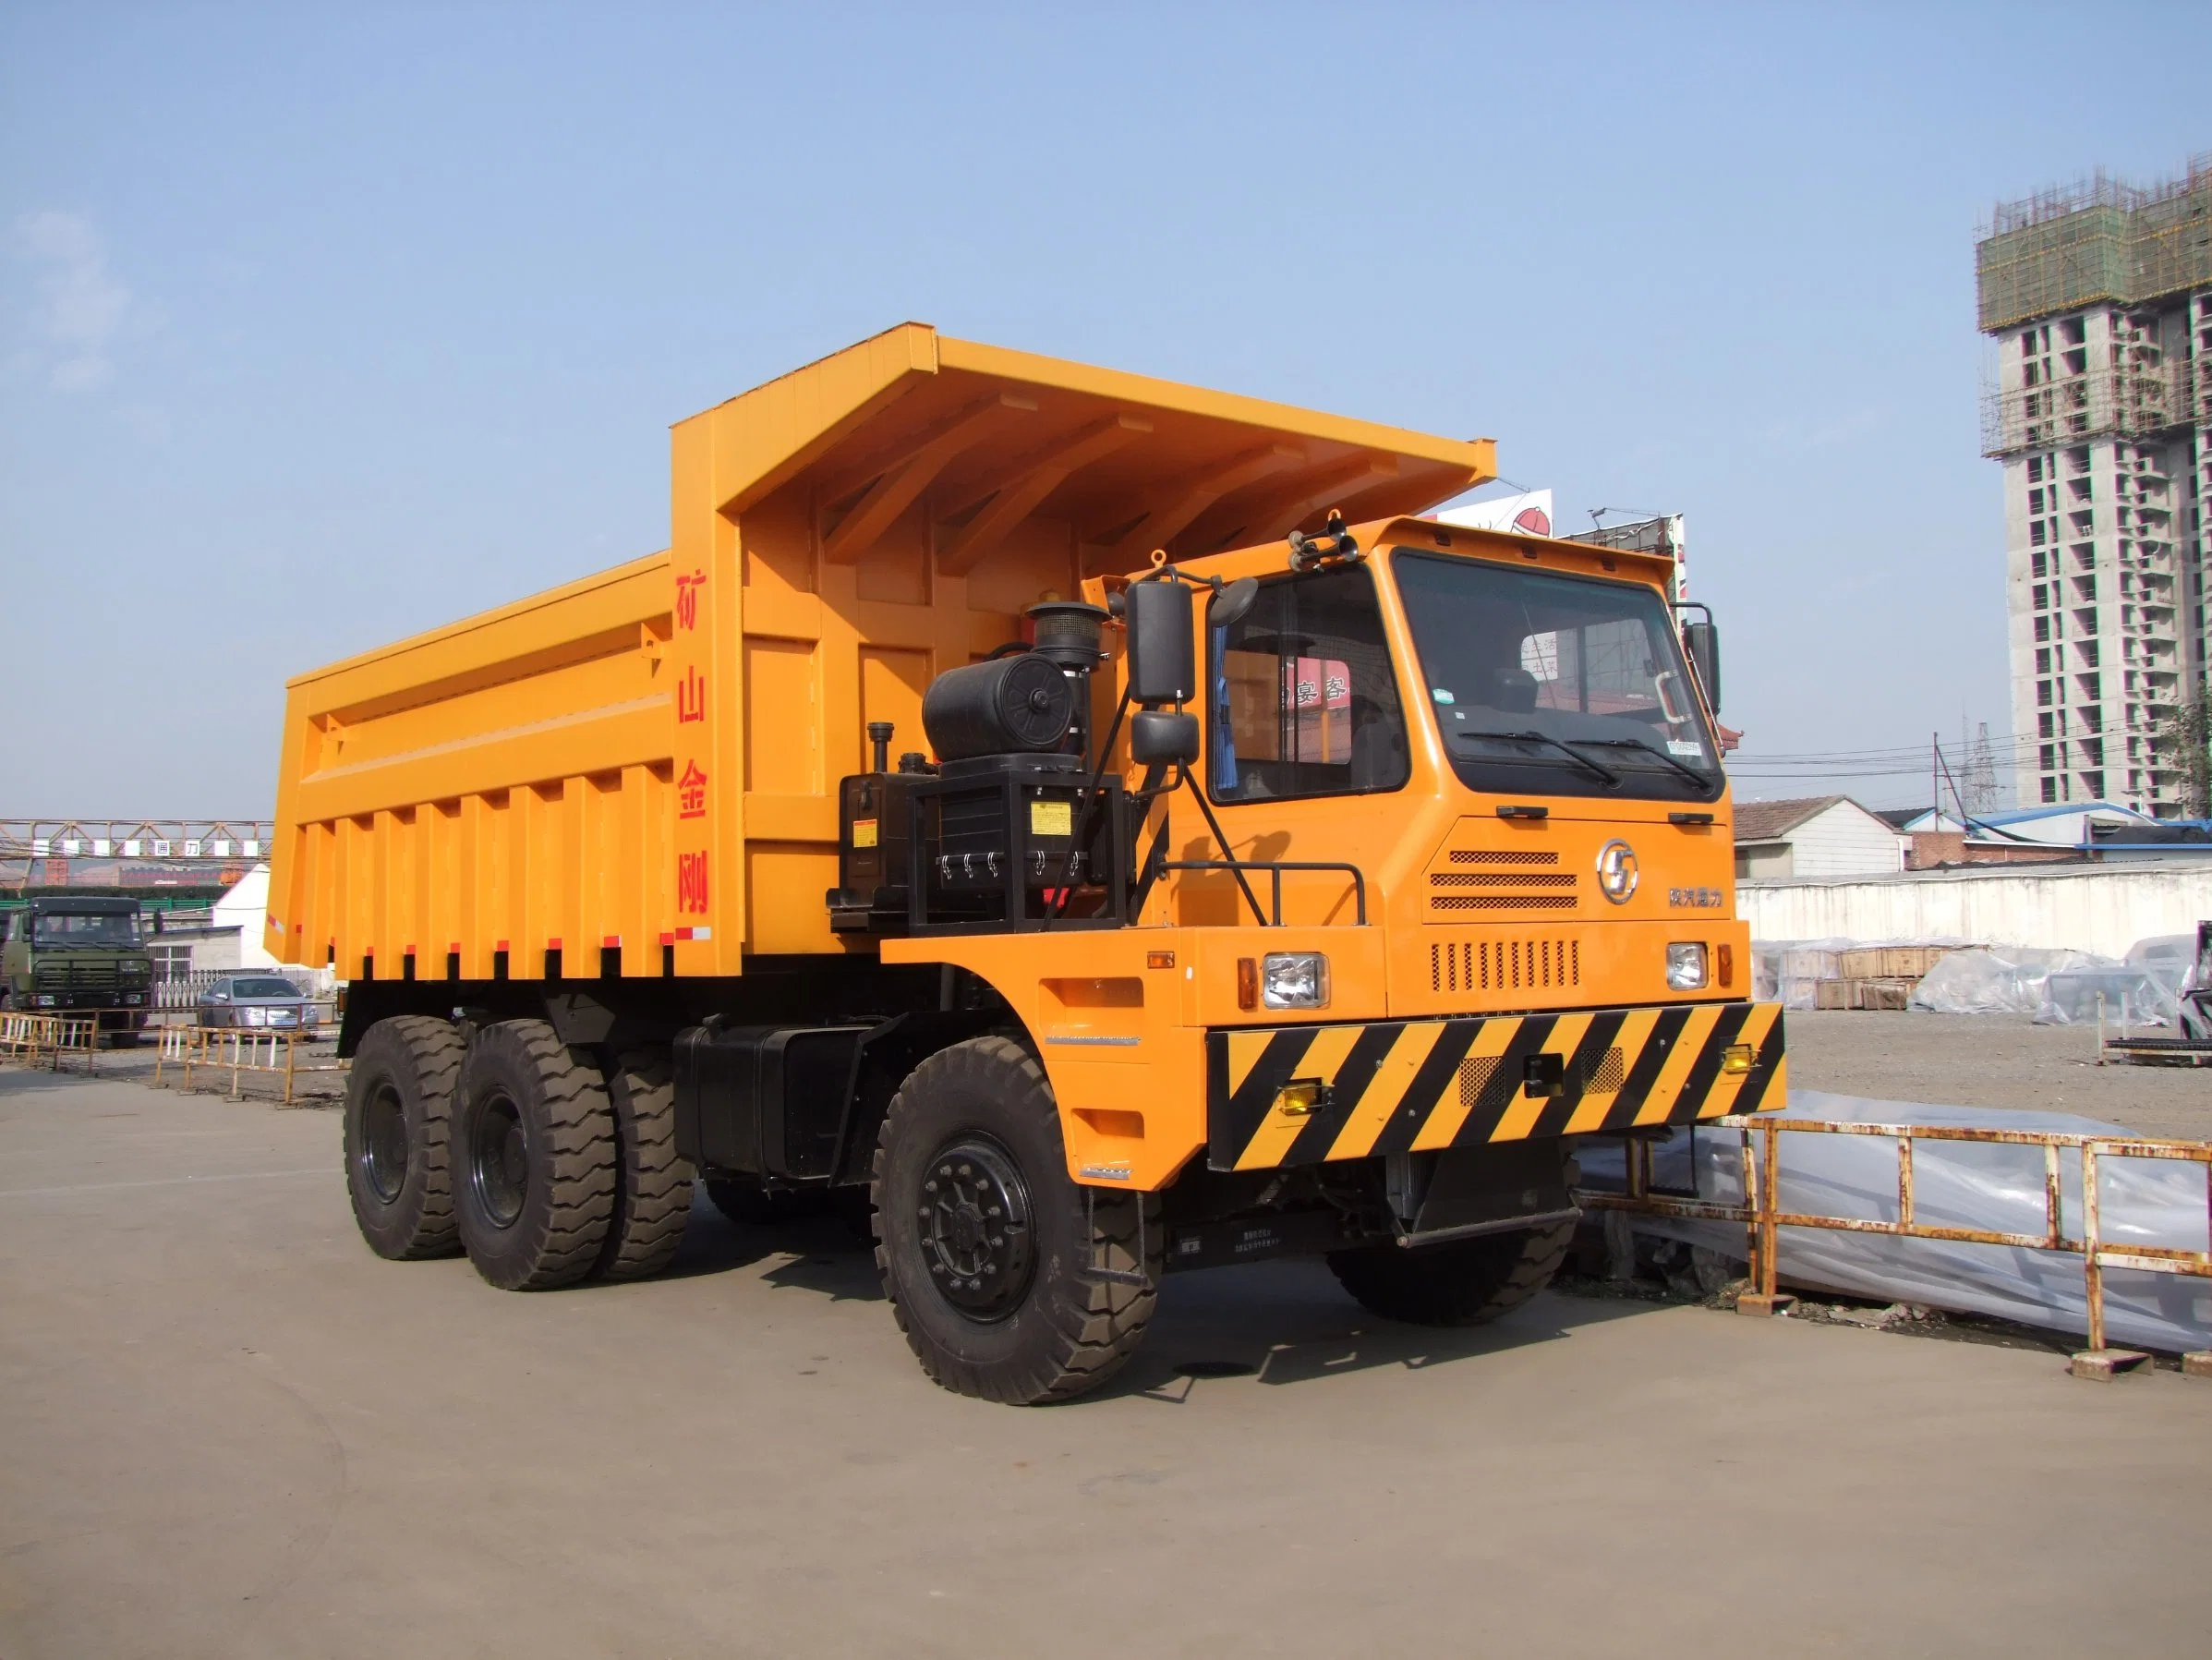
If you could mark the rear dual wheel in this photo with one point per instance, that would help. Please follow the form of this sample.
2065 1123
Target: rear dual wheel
516 1149
399 1100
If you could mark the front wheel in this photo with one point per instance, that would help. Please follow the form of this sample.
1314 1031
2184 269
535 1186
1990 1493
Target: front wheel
1010 1282
1460 1282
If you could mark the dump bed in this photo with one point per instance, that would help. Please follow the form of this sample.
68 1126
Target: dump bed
638 770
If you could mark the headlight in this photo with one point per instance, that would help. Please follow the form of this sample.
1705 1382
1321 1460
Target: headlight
46 1002
1293 980
259 1017
1686 967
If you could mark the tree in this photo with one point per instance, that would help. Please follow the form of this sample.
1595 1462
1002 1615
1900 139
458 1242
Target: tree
2179 732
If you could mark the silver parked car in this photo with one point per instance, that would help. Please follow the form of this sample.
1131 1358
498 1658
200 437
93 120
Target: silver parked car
254 999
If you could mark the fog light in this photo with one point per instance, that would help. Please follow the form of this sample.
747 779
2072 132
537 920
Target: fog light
1736 1057
1686 967
1293 980
1302 1098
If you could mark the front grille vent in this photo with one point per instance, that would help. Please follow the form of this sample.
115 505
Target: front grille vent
1481 1085
76 976
1516 879
1505 965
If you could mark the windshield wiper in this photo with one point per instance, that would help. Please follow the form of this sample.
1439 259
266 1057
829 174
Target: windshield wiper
1696 776
1572 754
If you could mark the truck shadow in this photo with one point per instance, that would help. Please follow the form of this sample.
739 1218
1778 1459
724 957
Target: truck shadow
1290 1323
824 1256
1278 1323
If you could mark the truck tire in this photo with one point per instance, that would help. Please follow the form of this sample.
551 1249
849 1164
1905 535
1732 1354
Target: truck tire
652 1184
533 1157
1460 1282
986 1245
399 1102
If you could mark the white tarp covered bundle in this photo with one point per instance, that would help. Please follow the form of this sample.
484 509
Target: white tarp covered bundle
1994 1186
2057 987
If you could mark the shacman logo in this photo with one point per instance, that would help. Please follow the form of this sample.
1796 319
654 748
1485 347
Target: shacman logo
1616 871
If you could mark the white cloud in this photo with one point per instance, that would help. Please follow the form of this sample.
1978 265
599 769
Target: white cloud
81 307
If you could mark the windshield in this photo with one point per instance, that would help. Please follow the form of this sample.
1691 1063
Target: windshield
1559 685
252 988
1302 697
72 927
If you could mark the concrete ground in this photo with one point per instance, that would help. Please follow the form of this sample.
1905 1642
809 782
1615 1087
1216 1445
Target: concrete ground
1993 1061
227 1429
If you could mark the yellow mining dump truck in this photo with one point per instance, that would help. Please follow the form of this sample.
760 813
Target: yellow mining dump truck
1088 821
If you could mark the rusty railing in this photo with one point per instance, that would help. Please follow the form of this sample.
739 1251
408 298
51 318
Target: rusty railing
242 1051
46 1039
1763 1216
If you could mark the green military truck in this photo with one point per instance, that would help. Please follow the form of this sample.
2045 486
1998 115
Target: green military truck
68 955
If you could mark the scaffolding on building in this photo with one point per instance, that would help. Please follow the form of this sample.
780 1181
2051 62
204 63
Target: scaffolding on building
2098 242
2095 241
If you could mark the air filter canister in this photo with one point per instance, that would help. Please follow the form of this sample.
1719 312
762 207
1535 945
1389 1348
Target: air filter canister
1012 705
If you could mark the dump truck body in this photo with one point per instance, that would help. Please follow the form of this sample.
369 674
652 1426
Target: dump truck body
1399 857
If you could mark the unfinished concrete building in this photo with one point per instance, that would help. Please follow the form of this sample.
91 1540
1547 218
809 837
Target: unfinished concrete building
2099 300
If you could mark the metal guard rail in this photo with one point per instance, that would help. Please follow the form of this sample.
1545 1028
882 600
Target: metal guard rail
35 1038
1763 1216
1274 869
241 1050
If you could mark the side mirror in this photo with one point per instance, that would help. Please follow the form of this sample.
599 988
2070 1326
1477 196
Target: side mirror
1233 601
1159 736
1703 642
1163 659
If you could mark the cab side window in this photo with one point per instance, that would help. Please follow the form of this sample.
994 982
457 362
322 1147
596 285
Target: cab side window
1302 697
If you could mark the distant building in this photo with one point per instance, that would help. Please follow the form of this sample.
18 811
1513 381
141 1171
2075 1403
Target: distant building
2087 829
2099 299
1815 835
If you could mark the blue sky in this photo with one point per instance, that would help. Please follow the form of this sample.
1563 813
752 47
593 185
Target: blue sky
321 324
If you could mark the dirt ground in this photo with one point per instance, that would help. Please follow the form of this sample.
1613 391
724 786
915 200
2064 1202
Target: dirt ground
228 1430
1993 1061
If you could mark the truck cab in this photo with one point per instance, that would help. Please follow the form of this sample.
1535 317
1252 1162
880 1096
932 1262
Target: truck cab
66 954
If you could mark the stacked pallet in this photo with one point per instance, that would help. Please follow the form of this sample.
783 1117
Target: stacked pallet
1876 976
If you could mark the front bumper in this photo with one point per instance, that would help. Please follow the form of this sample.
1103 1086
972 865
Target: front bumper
54 1003
1397 1086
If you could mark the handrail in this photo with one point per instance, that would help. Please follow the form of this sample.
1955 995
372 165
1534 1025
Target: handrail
1762 1215
1274 869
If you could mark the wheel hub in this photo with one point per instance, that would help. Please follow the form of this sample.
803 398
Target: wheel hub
975 1228
498 1161
383 1155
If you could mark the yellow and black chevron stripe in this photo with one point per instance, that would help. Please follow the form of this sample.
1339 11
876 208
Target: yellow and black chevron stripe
1396 1086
